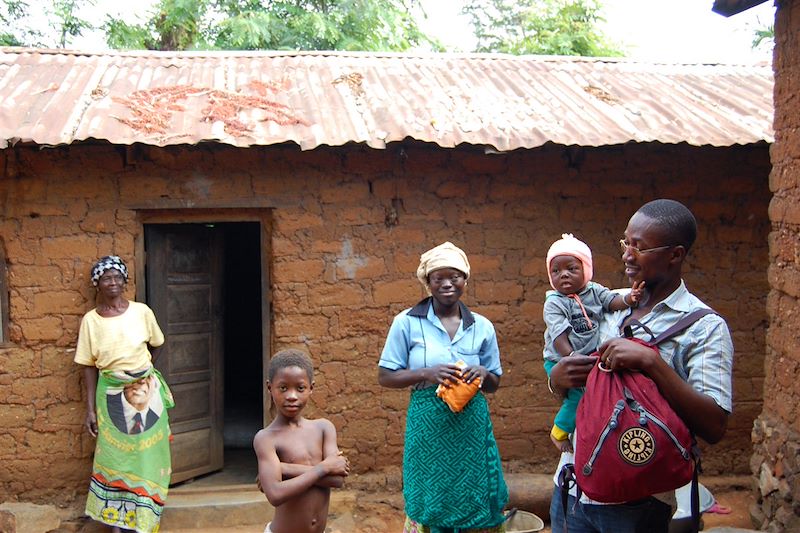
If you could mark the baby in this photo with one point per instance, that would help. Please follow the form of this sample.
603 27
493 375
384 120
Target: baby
571 315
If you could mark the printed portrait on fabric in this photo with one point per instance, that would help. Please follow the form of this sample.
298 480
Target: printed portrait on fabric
136 407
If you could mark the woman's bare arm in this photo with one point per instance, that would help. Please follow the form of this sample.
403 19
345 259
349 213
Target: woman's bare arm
90 383
155 352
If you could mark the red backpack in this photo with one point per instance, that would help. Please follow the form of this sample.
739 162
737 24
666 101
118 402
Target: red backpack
630 443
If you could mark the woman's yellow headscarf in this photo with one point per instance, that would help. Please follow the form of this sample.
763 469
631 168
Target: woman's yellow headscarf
446 255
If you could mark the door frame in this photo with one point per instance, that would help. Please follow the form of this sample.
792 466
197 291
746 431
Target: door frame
200 216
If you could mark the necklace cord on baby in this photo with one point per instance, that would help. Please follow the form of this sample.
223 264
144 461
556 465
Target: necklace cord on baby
583 309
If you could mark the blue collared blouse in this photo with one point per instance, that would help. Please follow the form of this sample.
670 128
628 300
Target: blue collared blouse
417 339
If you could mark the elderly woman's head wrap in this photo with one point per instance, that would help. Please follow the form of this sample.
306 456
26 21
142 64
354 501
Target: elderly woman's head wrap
446 255
106 263
569 245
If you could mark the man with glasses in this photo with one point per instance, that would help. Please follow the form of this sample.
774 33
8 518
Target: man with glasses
693 372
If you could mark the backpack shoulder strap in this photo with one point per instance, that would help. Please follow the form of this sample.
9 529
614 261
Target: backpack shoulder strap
673 330
682 324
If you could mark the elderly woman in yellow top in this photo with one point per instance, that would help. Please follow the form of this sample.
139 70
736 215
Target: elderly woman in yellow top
126 405
452 476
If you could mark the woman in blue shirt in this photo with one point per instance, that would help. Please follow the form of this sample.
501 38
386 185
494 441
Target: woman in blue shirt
452 476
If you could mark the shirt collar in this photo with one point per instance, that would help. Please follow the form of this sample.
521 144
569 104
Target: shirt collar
421 310
679 300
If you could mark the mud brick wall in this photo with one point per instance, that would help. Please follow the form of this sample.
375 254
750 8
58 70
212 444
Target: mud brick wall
776 433
348 226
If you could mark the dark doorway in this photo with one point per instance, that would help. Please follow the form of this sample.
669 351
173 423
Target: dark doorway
243 358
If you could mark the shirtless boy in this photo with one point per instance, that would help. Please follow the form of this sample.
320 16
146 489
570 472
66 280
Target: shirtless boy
298 459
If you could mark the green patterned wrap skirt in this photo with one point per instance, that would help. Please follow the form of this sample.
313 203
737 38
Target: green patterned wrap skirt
452 475
132 465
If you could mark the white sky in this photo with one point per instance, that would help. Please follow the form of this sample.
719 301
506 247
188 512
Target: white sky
687 30
673 30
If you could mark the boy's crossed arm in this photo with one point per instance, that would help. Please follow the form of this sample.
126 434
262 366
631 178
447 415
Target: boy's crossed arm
329 449
282 481
291 470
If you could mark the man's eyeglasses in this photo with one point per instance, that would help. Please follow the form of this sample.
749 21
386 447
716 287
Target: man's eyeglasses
636 251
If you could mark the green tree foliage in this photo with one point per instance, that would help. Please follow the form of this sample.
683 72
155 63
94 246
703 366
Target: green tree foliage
17 25
547 27
174 25
13 28
762 35
67 23
376 25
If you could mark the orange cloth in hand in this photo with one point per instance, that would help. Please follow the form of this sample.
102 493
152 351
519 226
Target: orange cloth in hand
458 394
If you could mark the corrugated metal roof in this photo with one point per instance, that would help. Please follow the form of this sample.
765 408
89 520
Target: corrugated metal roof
314 98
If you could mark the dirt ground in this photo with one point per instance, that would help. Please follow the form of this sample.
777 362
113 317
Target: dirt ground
738 502
384 514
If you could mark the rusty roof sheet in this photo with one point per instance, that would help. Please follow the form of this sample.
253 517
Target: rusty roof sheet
331 98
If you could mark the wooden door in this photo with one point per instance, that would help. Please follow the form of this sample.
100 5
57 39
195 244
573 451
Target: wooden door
184 288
